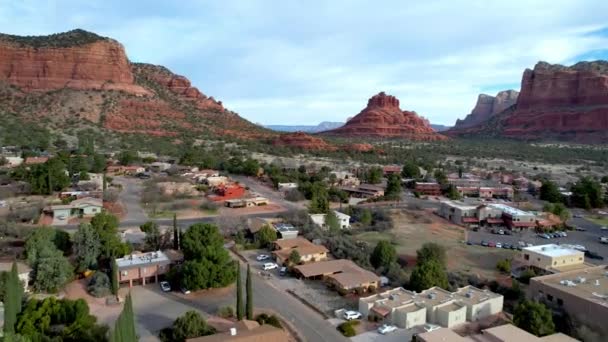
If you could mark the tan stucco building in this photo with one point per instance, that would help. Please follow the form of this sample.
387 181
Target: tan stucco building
502 333
551 258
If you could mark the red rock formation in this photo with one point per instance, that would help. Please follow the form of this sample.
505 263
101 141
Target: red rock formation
488 106
181 86
382 118
303 141
556 103
359 147
100 64
150 117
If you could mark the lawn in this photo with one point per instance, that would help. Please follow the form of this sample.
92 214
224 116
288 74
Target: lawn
602 221
413 228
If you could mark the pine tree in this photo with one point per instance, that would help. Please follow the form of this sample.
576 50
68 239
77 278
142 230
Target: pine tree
124 327
12 300
249 305
104 186
239 294
114 278
175 233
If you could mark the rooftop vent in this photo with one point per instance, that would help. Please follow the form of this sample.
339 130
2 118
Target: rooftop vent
431 295
469 294
568 283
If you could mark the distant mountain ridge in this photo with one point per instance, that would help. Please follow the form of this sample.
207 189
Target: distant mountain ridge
323 126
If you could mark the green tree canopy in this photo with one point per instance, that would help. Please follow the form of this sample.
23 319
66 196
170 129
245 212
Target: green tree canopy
189 325
558 209
550 192
106 227
294 257
431 251
51 271
124 327
265 236
452 192
427 275
393 187
587 193
534 318
319 203
126 157
13 296
366 217
410 170
87 247
384 254
332 222
374 175
440 177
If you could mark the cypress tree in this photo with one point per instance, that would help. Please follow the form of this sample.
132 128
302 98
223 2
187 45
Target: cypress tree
124 327
249 306
114 278
12 300
239 294
104 186
175 233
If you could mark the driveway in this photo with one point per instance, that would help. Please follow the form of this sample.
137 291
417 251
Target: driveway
130 196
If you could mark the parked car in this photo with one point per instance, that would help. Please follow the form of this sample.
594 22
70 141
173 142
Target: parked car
577 216
164 286
508 232
580 229
544 236
498 245
593 255
604 239
184 290
270 266
604 228
501 232
350 315
283 271
507 246
563 234
484 243
491 244
470 243
262 257
386 329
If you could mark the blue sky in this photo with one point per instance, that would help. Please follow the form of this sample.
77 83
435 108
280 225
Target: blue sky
303 62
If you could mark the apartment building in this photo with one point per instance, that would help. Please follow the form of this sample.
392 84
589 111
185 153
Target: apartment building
407 309
551 258
504 192
581 293
428 189
459 212
142 268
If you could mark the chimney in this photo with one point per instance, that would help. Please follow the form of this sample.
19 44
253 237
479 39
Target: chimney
232 331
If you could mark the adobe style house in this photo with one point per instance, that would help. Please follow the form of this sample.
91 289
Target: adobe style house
142 268
391 170
364 191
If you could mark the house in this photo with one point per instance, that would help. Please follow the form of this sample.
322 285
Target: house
95 182
343 219
87 206
391 170
284 187
364 191
407 309
551 258
246 331
473 182
343 275
159 166
235 203
427 189
581 293
35 160
13 161
504 192
285 230
308 251
345 178
254 224
256 201
23 271
502 333
141 268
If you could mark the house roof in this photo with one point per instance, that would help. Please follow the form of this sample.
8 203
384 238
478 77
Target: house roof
298 242
442 335
36 160
142 259
246 331
343 271
307 250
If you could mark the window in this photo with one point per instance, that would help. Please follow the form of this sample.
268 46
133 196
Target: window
124 273
527 256
560 302
550 297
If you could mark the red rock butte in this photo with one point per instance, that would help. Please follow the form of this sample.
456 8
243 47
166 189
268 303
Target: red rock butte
303 141
382 118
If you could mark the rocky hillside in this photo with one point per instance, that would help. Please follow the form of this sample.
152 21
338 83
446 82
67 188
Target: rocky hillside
556 103
488 106
78 78
382 118
301 140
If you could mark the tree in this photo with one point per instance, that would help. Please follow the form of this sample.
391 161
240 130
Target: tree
549 192
175 233
440 177
99 285
587 187
452 192
46 237
384 255
154 240
393 187
265 236
249 304
87 247
366 217
460 171
534 318
319 202
51 270
104 184
294 257
12 300
124 327
126 157
114 278
604 179
106 227
207 264
410 170
294 195
374 175
240 309
558 209
431 251
427 275
331 221
187 326
48 177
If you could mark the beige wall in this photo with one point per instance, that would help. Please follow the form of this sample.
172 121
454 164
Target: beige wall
486 308
407 320
546 262
449 319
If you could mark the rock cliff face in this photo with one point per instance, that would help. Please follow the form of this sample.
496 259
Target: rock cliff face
303 141
555 103
488 106
382 118
99 63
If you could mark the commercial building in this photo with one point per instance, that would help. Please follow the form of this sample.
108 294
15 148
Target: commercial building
581 293
407 309
246 331
458 212
142 268
428 189
515 218
308 251
343 275
504 192
465 182
391 170
551 258
502 333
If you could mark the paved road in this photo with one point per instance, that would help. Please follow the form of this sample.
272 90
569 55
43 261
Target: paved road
156 310
130 196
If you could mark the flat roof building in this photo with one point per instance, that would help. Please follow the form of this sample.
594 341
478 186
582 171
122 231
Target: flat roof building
286 230
502 333
551 257
142 268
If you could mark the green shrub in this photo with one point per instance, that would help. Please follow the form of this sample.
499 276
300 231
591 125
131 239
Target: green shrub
269 319
99 285
504 266
226 312
348 328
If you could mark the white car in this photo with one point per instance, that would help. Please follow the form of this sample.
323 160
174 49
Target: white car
164 286
386 329
498 245
185 290
430 327
604 228
350 315
270 266
262 257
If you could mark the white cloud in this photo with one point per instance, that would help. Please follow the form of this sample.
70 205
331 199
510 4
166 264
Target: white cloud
305 62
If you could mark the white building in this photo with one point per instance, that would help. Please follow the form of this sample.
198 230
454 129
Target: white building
287 186
343 219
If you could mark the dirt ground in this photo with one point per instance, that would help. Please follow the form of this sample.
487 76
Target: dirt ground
106 314
413 228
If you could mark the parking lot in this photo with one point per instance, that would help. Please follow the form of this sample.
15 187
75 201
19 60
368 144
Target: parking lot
588 238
